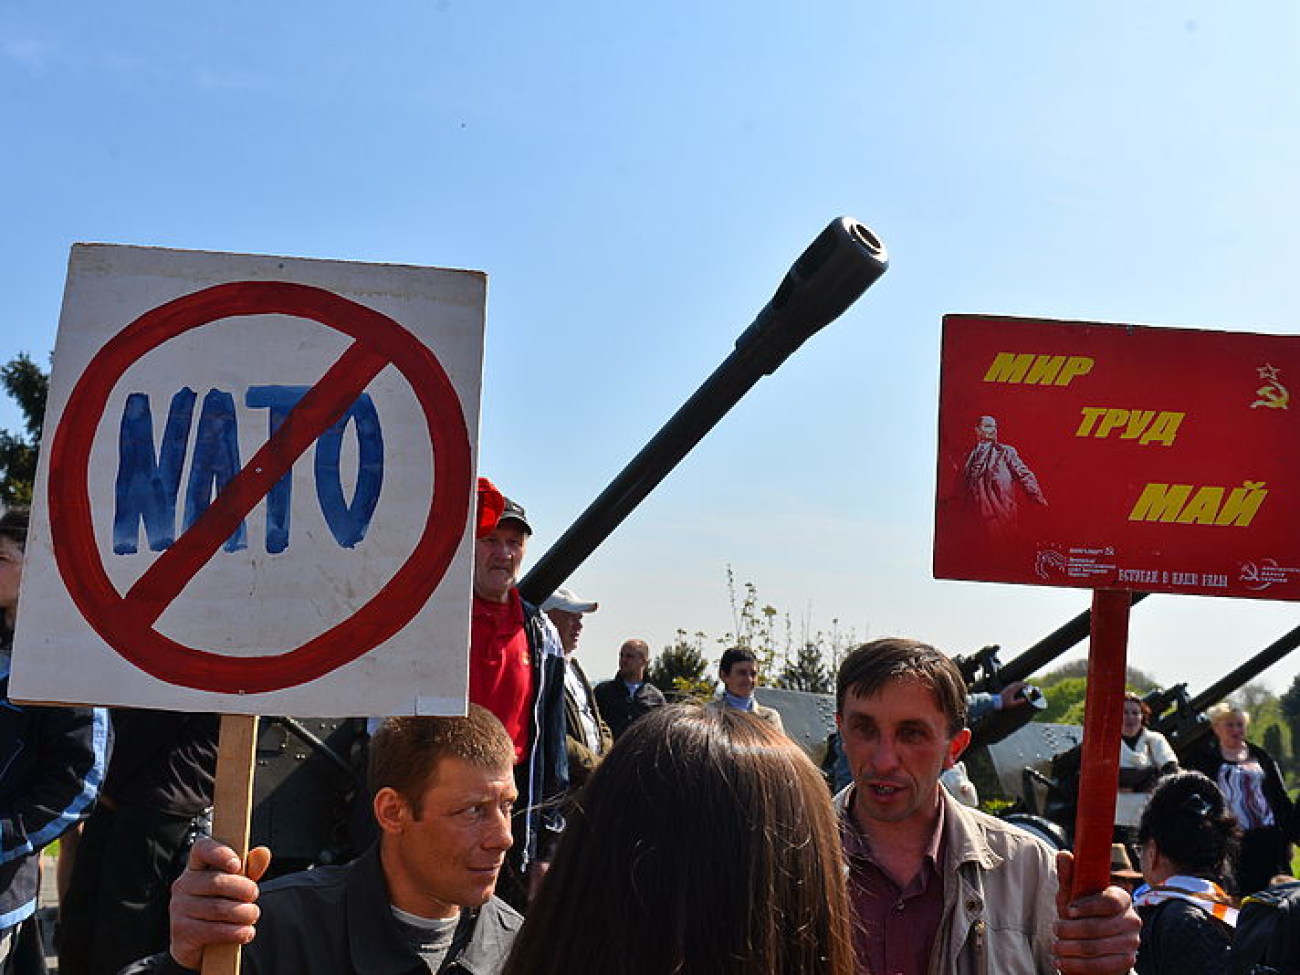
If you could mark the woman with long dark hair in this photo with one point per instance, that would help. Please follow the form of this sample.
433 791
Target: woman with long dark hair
705 843
1187 838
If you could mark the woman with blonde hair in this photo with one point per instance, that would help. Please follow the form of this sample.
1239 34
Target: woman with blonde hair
704 844
1252 786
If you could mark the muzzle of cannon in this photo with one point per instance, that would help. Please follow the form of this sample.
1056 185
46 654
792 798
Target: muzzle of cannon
839 265
304 778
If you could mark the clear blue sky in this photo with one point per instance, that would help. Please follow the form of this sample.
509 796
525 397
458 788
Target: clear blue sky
635 179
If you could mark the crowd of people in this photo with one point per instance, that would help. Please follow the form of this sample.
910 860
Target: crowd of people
566 827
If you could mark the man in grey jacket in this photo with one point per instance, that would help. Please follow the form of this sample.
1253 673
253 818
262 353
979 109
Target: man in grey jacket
936 887
419 901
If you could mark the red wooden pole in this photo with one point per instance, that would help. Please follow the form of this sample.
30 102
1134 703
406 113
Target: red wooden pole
1103 715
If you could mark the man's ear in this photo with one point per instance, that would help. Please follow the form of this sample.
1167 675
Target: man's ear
956 746
392 812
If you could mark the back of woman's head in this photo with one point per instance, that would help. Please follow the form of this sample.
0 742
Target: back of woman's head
704 844
1191 826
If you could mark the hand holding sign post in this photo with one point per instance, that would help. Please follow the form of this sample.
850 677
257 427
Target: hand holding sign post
1122 459
256 498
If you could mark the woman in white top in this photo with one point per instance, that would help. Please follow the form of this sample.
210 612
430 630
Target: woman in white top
1144 757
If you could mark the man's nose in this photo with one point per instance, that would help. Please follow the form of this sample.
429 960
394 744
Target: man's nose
885 755
498 835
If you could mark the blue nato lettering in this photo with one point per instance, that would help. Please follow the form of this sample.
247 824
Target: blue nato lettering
216 461
148 483
347 522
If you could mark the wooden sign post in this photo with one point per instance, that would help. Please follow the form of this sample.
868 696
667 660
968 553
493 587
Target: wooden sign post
1121 459
1104 710
232 810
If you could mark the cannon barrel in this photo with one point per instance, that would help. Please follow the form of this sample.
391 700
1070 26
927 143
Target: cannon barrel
995 675
1026 664
1182 719
839 265
1248 671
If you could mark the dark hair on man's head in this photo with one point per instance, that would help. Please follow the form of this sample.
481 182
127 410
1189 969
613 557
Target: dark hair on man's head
1191 825
705 842
13 525
868 668
734 656
405 752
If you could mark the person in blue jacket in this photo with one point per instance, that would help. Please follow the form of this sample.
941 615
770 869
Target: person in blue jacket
52 761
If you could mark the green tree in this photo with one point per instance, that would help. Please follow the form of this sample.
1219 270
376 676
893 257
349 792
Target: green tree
1253 697
1063 697
808 671
681 670
1135 679
807 663
28 385
1066 671
1065 688
1289 705
1273 743
755 628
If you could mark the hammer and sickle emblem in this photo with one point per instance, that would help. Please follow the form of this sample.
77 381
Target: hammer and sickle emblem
1274 396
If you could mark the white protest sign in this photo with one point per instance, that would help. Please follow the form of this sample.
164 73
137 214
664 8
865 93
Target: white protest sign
255 487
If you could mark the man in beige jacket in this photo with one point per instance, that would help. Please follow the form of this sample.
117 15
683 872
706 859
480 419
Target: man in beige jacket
936 888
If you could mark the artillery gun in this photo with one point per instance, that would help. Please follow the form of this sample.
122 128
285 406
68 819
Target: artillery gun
1035 767
304 763
1010 758
985 674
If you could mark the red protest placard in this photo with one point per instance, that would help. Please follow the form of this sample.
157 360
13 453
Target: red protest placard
1118 457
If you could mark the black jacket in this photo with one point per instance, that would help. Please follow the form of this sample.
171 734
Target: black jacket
162 760
338 921
543 777
52 762
1179 938
619 709
1207 759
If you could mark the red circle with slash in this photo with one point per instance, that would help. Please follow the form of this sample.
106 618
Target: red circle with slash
127 622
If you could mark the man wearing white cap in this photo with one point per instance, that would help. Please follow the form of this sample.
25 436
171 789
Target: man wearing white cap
587 736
